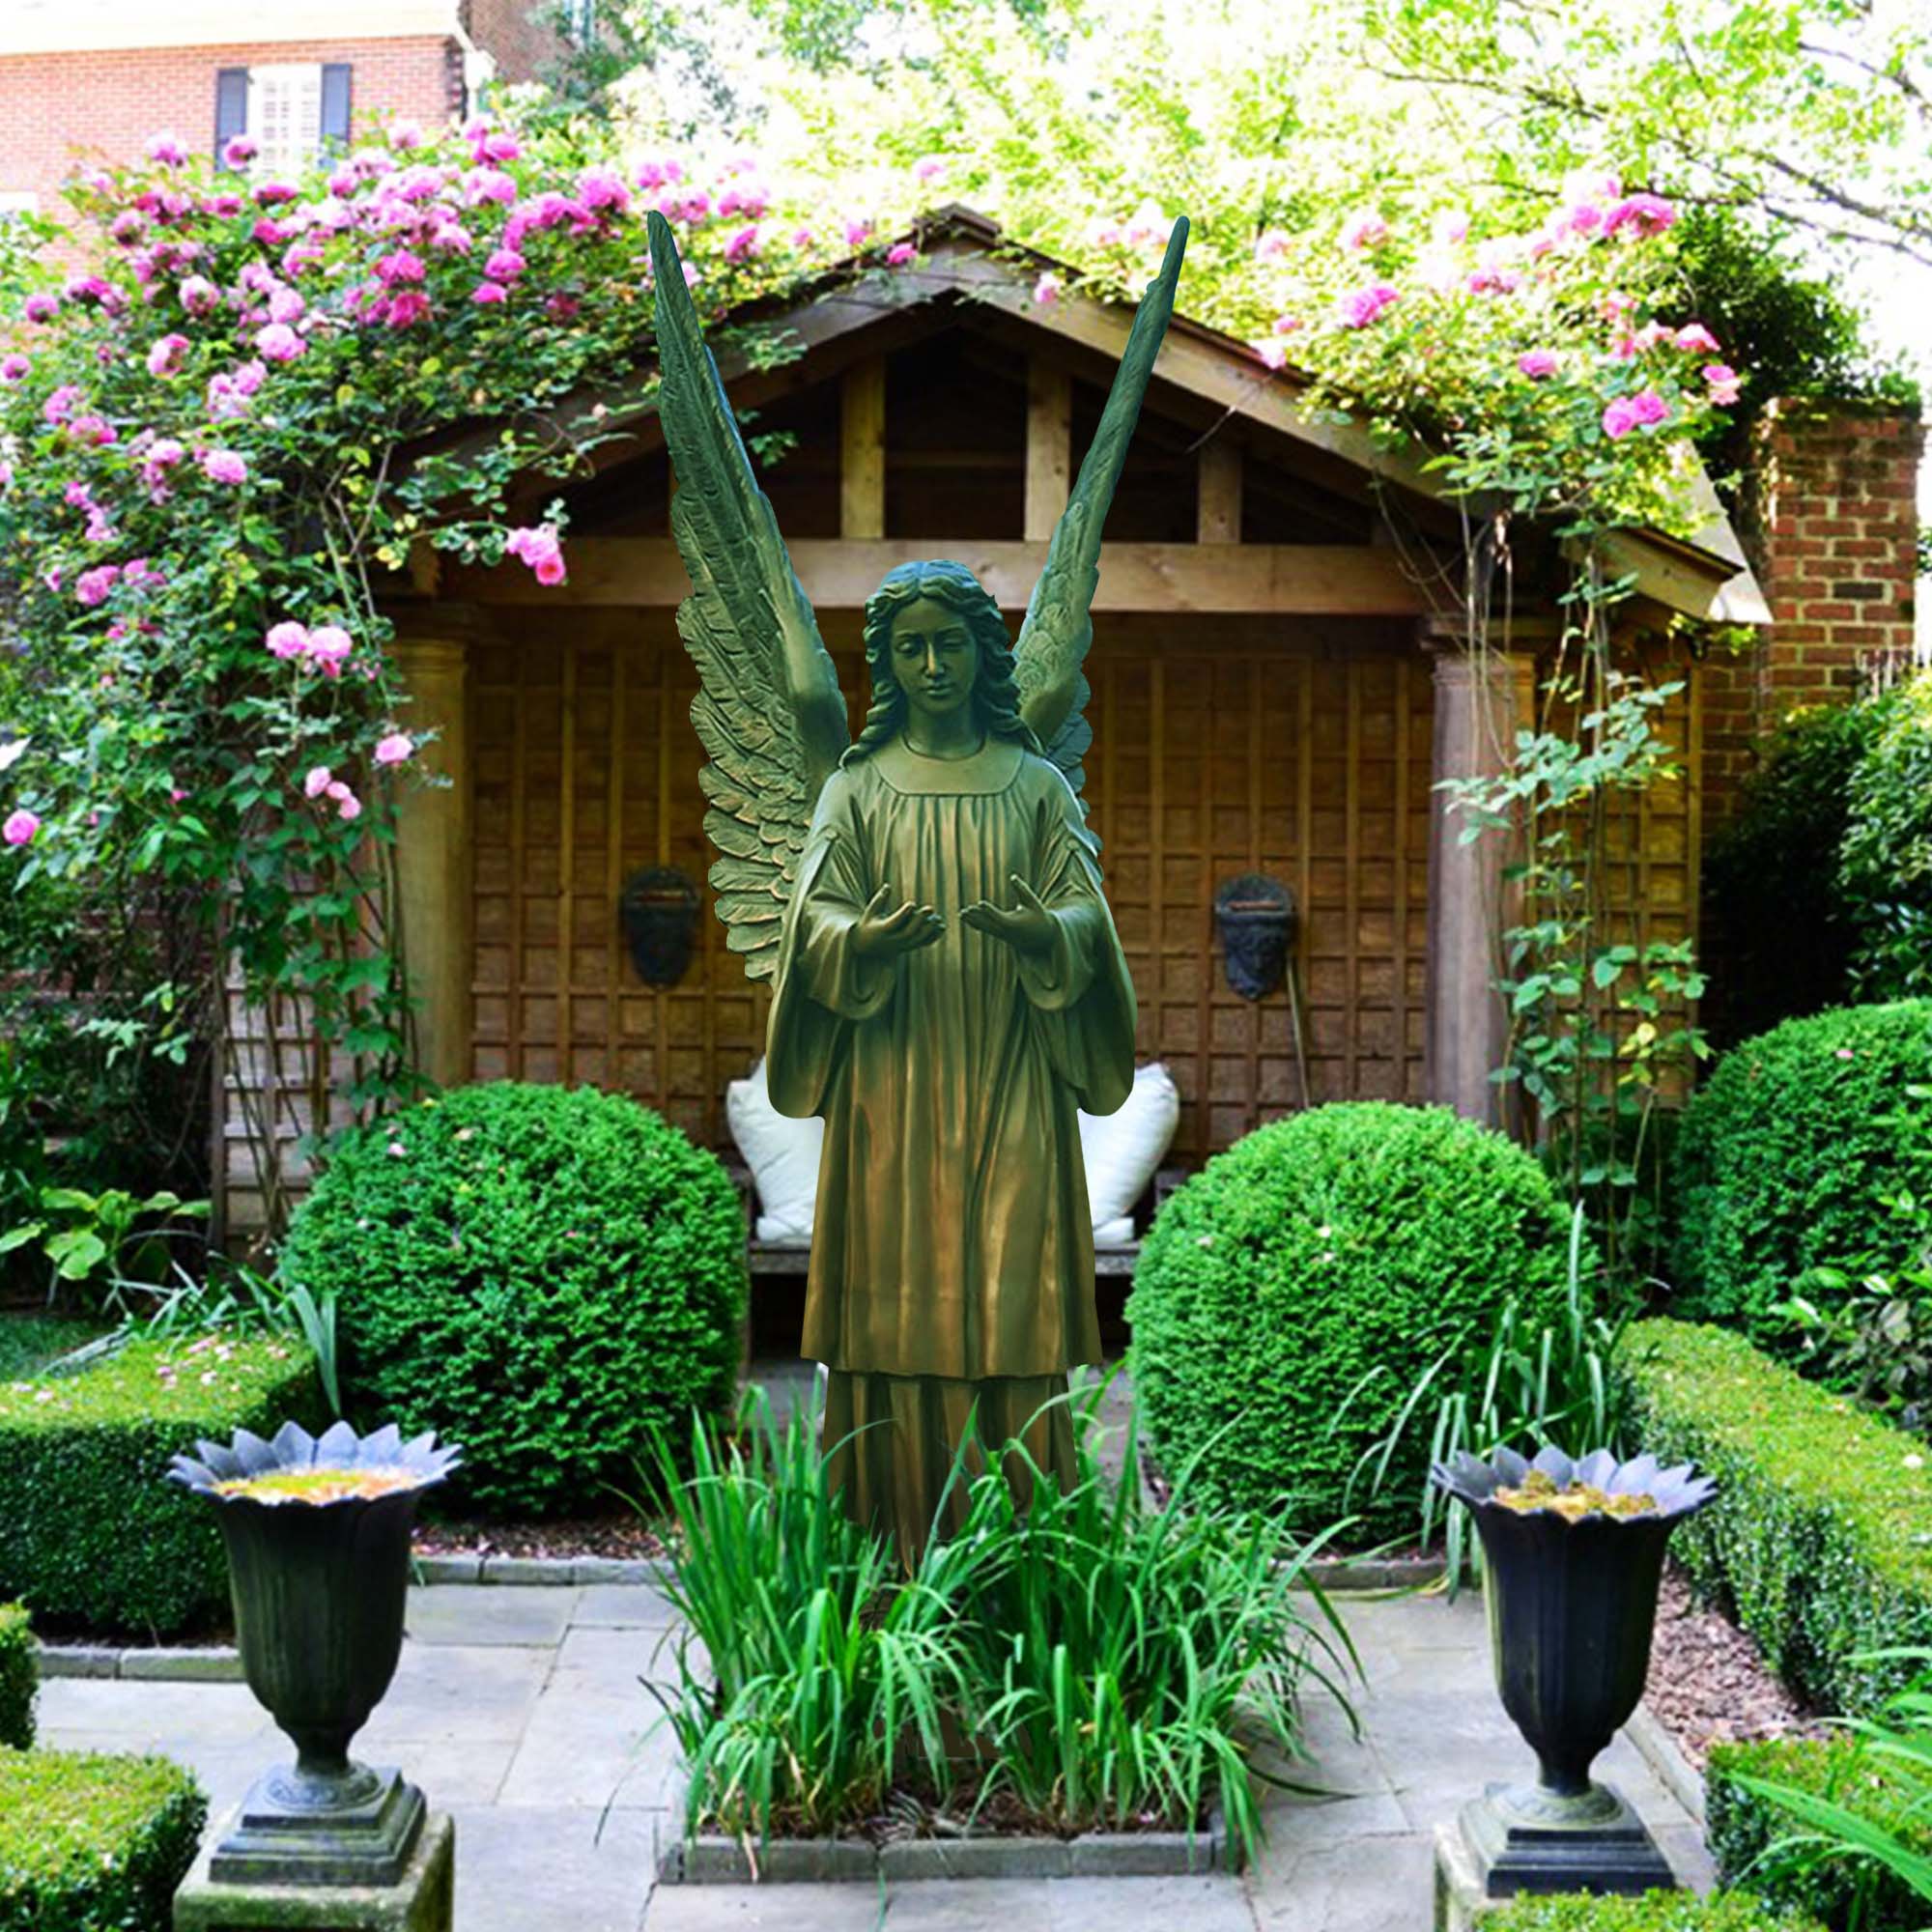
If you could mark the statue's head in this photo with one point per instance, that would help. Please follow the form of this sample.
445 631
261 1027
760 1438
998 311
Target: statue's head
935 641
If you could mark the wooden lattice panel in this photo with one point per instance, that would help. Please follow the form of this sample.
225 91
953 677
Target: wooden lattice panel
1293 749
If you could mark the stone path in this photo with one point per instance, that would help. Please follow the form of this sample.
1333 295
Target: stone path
521 1712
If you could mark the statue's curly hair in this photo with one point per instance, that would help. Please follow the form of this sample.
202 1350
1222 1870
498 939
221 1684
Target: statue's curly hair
996 695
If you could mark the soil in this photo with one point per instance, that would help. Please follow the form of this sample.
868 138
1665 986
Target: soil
909 1813
1708 1685
622 1535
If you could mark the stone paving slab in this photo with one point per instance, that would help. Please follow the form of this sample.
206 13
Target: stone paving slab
522 1712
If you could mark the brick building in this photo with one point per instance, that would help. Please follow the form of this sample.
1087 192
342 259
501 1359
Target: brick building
92 79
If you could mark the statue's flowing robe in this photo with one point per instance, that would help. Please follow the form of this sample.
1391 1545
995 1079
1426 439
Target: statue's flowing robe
952 1250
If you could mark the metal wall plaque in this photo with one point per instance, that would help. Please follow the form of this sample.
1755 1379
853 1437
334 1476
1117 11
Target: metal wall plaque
658 910
1254 917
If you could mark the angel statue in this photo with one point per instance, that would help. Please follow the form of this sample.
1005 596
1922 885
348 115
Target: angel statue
948 986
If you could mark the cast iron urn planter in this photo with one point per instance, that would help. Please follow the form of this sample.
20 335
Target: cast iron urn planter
1572 1594
318 1540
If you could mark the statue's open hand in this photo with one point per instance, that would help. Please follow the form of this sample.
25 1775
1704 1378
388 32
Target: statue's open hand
1027 928
884 935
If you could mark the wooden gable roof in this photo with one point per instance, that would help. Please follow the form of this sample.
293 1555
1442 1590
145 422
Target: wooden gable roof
1213 408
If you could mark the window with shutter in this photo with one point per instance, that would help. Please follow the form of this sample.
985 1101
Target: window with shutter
231 107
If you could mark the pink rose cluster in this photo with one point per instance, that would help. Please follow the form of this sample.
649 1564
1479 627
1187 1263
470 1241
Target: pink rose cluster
1361 308
21 827
542 548
1642 410
325 649
321 783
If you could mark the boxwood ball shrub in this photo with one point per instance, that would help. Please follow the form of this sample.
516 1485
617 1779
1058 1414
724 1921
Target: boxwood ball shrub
1354 1241
539 1274
91 1533
91 1843
1787 1157
19 1677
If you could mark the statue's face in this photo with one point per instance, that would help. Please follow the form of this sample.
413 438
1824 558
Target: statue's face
934 659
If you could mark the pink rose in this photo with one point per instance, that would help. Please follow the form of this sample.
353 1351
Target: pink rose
394 749
238 151
278 343
164 357
1723 383
899 254
19 828
43 307
1363 306
1047 289
318 781
92 586
224 466
504 265
488 292
1641 214
167 149
287 639
743 245
1364 230
541 548
329 648
1535 364
199 296
1695 339
13 368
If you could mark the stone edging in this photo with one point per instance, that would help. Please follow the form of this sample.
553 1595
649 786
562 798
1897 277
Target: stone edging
1666 1757
212 1664
558 1571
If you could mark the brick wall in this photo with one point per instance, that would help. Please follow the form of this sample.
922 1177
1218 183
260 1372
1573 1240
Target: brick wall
1831 521
59 109
513 32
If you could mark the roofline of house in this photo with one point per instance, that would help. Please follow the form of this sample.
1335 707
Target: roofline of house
70 28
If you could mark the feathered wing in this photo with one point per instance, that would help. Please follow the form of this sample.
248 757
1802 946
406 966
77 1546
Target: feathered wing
1058 625
769 714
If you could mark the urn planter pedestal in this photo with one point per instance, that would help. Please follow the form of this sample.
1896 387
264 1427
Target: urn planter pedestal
318 1540
1572 1606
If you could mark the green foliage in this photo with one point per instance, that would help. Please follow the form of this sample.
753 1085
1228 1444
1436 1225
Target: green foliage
233 1300
1107 1661
1744 1822
1873 1336
1651 1912
1885 862
98 1248
1790 1155
1290 1296
538 1275
91 1532
19 1676
1524 1385
1597 1025
1771 873
1806 113
92 1843
29 1342
1815 1542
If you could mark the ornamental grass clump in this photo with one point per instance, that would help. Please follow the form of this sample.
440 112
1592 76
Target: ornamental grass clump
1084 1664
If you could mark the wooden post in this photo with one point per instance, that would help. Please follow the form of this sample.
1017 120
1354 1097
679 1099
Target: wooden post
436 900
1481 698
1218 483
862 450
1049 447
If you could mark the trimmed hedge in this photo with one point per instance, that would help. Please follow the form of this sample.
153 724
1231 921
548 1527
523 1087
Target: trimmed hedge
538 1275
1740 1827
1816 1542
1786 1155
91 1843
92 1531
1652 1912
1330 1256
19 1676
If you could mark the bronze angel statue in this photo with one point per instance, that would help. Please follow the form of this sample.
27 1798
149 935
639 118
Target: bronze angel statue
948 986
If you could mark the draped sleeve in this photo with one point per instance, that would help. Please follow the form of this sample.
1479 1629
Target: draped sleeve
1080 991
821 983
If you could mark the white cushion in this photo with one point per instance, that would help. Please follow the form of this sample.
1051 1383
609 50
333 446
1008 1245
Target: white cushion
1122 1149
1119 1151
782 1154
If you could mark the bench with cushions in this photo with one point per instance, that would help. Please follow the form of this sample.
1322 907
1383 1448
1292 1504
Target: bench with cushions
779 1179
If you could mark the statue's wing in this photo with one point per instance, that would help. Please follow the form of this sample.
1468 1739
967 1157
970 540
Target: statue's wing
769 714
1058 627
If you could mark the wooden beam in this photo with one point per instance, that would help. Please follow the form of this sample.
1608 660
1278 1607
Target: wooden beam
1218 485
1314 579
862 449
1049 447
